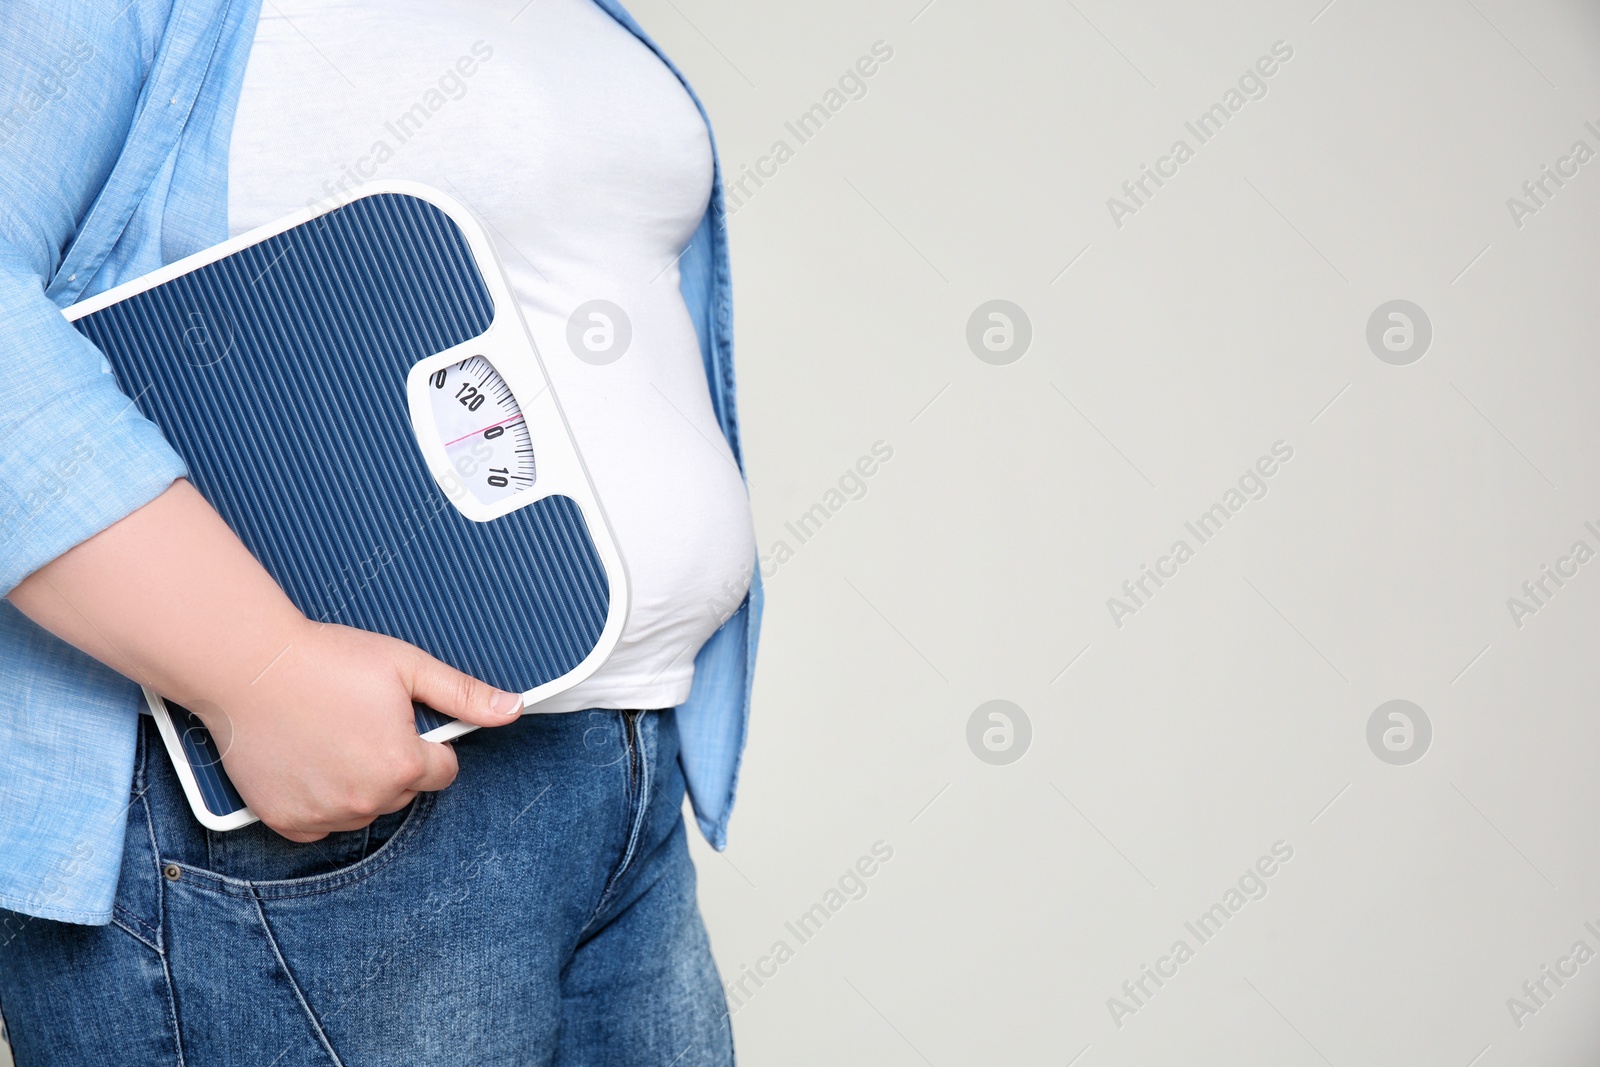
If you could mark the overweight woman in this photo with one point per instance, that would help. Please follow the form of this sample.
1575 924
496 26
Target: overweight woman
524 897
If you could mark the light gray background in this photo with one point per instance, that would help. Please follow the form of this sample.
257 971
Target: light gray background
1231 712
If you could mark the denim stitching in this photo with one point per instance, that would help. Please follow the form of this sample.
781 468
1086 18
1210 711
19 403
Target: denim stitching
314 885
127 920
639 817
294 986
140 779
136 935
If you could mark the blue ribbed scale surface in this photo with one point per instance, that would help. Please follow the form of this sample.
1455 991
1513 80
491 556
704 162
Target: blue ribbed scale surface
279 374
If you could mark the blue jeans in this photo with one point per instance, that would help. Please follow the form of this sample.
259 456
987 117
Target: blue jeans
539 911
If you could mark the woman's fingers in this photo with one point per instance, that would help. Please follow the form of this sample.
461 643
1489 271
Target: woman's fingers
460 696
439 767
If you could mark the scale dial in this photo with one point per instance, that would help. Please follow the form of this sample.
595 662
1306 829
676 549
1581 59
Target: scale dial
482 430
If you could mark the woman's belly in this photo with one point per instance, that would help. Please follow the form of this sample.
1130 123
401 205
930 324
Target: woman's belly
592 168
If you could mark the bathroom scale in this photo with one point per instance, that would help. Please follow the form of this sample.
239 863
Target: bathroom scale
355 392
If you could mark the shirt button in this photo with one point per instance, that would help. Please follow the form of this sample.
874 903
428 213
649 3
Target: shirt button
72 277
172 871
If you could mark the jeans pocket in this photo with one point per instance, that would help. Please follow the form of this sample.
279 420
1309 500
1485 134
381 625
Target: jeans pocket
258 859
256 853
256 856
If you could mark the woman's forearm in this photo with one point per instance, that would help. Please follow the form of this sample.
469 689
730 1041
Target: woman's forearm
169 597
314 720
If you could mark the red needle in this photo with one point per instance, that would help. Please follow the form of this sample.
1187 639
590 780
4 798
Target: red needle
481 429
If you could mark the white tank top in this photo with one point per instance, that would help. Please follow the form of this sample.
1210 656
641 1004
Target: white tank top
592 168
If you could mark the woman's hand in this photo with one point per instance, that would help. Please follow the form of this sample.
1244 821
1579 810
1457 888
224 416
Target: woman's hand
325 740
314 720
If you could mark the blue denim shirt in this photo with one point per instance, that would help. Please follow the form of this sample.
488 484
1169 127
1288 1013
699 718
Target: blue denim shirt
115 118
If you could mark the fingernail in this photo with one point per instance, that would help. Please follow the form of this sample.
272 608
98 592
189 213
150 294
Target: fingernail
506 703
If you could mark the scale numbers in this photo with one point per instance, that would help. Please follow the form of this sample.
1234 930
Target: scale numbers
482 430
